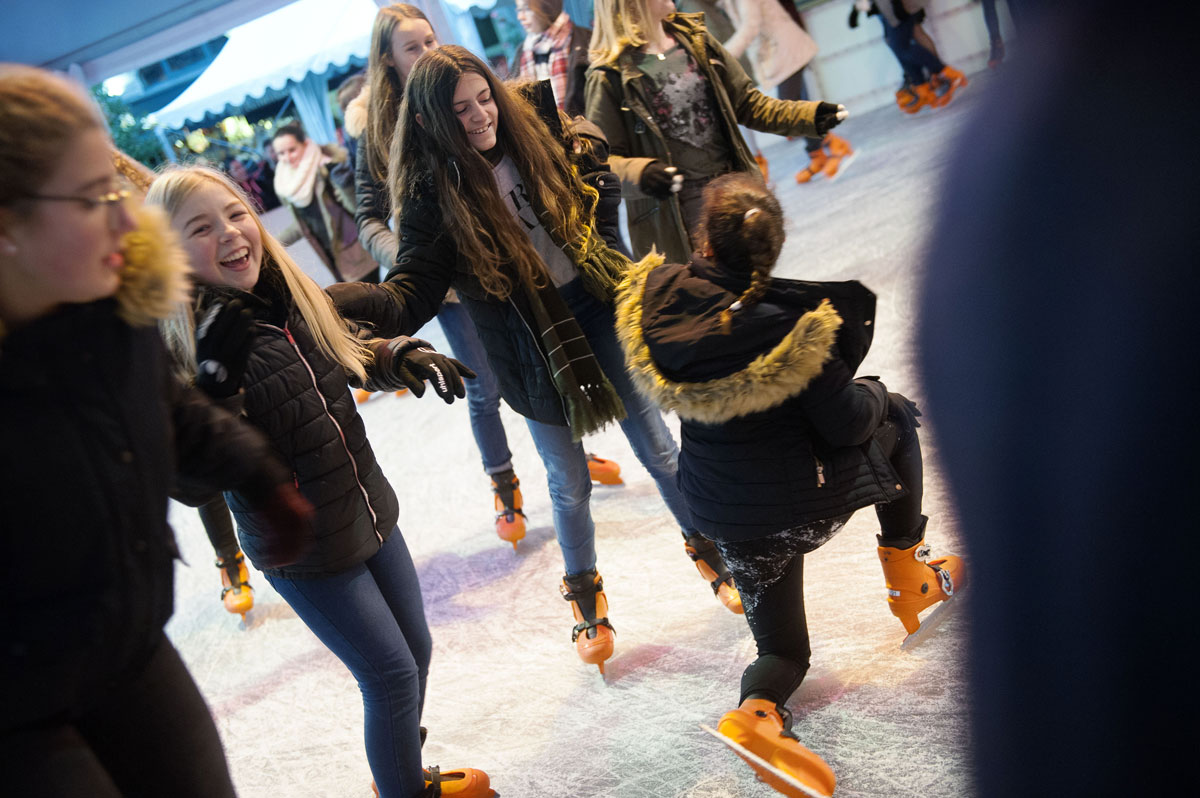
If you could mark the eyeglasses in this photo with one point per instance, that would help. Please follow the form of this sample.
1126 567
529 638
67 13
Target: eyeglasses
89 203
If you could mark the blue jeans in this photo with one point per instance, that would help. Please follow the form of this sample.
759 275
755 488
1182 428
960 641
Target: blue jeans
565 459
371 617
918 63
483 394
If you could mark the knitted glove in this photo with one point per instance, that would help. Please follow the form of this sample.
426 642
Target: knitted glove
829 116
660 181
223 339
409 362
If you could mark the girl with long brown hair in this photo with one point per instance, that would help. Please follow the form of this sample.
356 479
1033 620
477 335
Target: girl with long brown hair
400 35
493 204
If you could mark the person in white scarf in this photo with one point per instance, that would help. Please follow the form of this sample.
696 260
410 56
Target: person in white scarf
317 184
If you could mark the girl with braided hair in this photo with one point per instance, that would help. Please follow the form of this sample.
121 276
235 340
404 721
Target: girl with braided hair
780 444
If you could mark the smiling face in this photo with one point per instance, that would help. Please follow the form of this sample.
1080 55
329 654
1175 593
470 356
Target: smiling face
476 109
411 39
221 237
288 149
66 251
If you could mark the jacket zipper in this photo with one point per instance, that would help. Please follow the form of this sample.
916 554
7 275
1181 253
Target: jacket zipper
820 472
342 435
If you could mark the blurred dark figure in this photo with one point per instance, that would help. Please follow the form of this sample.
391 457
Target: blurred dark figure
1057 343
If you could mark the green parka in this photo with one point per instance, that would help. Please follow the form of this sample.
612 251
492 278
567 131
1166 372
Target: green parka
615 99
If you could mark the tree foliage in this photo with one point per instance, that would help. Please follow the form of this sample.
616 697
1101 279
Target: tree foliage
132 134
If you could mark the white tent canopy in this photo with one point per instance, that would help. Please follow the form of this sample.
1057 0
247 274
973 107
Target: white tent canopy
280 51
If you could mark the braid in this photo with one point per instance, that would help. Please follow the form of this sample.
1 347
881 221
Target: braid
743 226
760 281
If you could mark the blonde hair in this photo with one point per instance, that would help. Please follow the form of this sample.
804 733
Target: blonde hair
40 116
387 87
330 331
436 156
620 24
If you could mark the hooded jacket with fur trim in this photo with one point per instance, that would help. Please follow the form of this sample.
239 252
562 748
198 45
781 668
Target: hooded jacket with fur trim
95 427
775 431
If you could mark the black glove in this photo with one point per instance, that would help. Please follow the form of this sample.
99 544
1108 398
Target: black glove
408 362
660 181
901 405
829 116
223 339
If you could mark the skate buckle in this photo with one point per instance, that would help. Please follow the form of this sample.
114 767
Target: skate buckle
947 582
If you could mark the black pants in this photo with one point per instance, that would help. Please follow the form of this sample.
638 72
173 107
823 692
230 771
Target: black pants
218 525
769 571
150 734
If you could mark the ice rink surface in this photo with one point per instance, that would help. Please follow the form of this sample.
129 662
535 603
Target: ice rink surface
507 692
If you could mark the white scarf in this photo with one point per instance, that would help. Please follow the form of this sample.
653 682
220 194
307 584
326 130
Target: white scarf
296 184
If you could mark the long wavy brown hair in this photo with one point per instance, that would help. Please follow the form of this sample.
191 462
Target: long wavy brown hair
475 216
387 87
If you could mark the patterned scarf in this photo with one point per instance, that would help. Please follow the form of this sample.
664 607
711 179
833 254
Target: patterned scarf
545 56
588 397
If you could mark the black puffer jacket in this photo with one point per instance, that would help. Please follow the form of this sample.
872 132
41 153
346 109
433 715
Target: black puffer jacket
300 399
775 430
428 263
95 428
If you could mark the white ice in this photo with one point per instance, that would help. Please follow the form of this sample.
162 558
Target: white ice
507 692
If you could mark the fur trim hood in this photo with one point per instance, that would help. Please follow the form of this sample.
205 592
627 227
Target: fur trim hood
769 379
357 113
155 276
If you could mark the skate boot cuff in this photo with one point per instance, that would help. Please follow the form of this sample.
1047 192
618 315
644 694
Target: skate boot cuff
582 589
701 549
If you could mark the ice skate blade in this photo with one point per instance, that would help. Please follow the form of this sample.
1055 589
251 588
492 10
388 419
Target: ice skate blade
843 165
931 622
757 760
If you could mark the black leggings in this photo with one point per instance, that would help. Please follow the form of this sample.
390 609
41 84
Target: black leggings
149 734
218 525
769 571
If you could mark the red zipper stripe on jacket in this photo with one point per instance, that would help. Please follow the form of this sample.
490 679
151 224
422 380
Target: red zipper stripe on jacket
353 464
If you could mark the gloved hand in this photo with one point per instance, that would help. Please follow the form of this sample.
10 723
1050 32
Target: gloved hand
223 339
829 116
901 405
289 520
408 362
660 181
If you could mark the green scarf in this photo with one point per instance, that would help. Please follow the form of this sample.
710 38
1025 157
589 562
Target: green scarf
588 397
